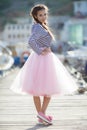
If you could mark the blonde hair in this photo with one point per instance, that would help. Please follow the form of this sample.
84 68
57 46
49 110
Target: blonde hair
34 12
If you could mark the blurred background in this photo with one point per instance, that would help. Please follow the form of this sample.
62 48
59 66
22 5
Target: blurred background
68 21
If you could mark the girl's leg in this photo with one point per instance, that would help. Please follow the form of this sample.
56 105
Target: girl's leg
37 102
46 101
42 109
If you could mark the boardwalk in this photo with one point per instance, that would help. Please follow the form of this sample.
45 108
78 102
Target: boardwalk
17 112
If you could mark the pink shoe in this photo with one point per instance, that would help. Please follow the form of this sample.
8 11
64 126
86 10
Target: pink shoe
50 118
40 121
45 118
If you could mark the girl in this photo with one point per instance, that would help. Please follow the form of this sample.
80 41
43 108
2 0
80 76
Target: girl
43 74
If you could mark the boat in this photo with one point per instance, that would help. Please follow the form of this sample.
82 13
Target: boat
6 59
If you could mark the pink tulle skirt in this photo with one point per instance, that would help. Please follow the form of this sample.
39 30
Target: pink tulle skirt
43 76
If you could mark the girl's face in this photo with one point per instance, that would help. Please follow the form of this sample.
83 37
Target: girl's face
42 16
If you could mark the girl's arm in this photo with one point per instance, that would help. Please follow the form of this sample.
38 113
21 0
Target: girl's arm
38 35
35 35
46 51
35 46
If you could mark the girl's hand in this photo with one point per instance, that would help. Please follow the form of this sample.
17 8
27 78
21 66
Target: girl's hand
46 51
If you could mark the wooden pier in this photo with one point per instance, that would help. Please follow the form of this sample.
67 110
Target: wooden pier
17 112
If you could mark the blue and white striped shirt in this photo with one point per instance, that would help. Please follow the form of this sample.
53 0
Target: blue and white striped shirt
39 38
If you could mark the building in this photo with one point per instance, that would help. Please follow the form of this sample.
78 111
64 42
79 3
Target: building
80 8
75 31
14 33
17 32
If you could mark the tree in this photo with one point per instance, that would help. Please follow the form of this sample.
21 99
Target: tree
4 4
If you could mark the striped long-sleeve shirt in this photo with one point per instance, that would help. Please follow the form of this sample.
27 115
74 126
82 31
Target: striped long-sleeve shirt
39 38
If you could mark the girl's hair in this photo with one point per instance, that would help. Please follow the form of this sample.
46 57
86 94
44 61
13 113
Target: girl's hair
34 12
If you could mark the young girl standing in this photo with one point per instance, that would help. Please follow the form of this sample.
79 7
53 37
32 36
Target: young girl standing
43 74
